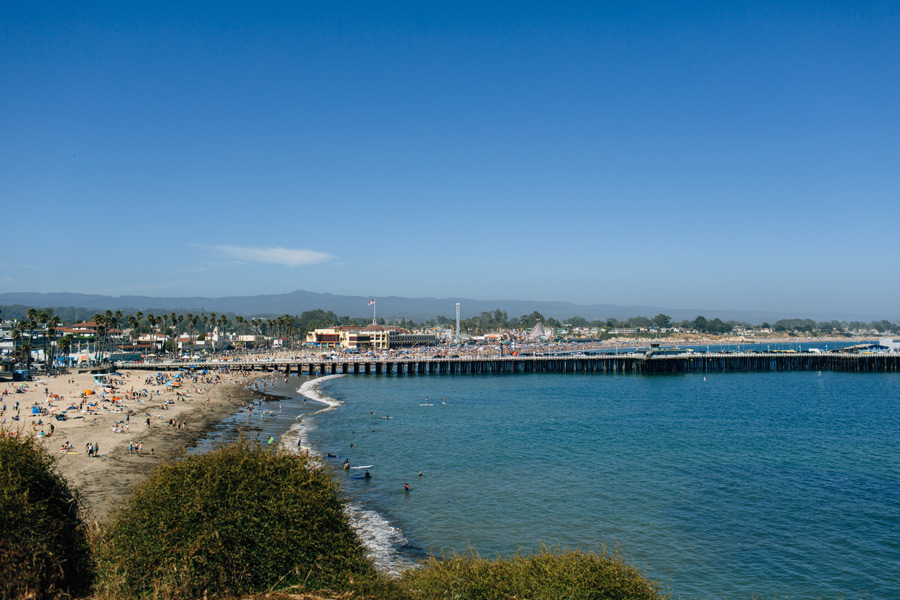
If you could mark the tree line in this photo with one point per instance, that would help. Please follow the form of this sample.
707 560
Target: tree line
295 327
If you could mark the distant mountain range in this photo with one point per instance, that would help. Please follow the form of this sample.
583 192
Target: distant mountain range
389 307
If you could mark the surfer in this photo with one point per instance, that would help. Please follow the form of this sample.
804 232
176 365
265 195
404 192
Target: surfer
367 475
420 474
346 464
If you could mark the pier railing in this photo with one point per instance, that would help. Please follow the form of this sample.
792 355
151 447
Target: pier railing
605 363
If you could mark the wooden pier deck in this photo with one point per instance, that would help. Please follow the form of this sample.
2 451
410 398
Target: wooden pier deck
606 363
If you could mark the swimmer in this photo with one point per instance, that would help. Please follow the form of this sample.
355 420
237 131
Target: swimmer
406 485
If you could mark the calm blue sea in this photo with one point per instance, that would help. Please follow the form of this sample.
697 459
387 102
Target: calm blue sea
725 485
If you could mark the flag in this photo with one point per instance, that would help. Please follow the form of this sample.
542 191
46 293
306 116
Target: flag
372 301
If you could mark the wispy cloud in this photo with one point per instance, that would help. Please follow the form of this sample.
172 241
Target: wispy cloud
289 257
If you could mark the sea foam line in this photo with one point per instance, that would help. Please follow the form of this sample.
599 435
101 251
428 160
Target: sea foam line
380 538
291 439
310 389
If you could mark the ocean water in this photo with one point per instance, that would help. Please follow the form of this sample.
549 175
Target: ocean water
735 485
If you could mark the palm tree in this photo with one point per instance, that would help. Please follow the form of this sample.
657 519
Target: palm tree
189 320
41 319
64 344
165 330
52 325
180 324
101 321
19 336
223 323
151 322
133 323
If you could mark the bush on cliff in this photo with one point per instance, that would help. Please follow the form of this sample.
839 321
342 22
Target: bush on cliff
240 519
44 551
546 575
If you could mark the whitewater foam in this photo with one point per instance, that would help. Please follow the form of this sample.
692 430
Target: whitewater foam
291 440
382 540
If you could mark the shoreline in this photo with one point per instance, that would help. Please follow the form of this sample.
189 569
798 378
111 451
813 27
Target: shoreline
381 538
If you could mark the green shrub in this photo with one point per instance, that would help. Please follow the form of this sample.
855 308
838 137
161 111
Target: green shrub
44 551
240 519
547 575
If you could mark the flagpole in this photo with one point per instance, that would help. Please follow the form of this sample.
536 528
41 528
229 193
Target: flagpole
373 311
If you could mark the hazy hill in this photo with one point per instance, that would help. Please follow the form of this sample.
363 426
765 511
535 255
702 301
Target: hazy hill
389 307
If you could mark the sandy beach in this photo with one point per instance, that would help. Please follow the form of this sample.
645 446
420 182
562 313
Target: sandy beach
136 419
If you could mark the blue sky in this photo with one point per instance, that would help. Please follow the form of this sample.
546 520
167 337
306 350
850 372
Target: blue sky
689 155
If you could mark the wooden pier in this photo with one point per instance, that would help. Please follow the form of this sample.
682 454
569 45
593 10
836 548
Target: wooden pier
604 364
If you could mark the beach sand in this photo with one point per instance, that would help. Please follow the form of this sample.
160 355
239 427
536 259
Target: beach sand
108 478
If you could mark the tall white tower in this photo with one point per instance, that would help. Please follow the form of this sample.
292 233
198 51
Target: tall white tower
457 323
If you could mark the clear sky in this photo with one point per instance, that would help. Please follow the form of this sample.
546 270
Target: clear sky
686 155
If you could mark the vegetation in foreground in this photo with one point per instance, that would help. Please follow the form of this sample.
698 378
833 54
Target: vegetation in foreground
242 520
44 551
547 575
